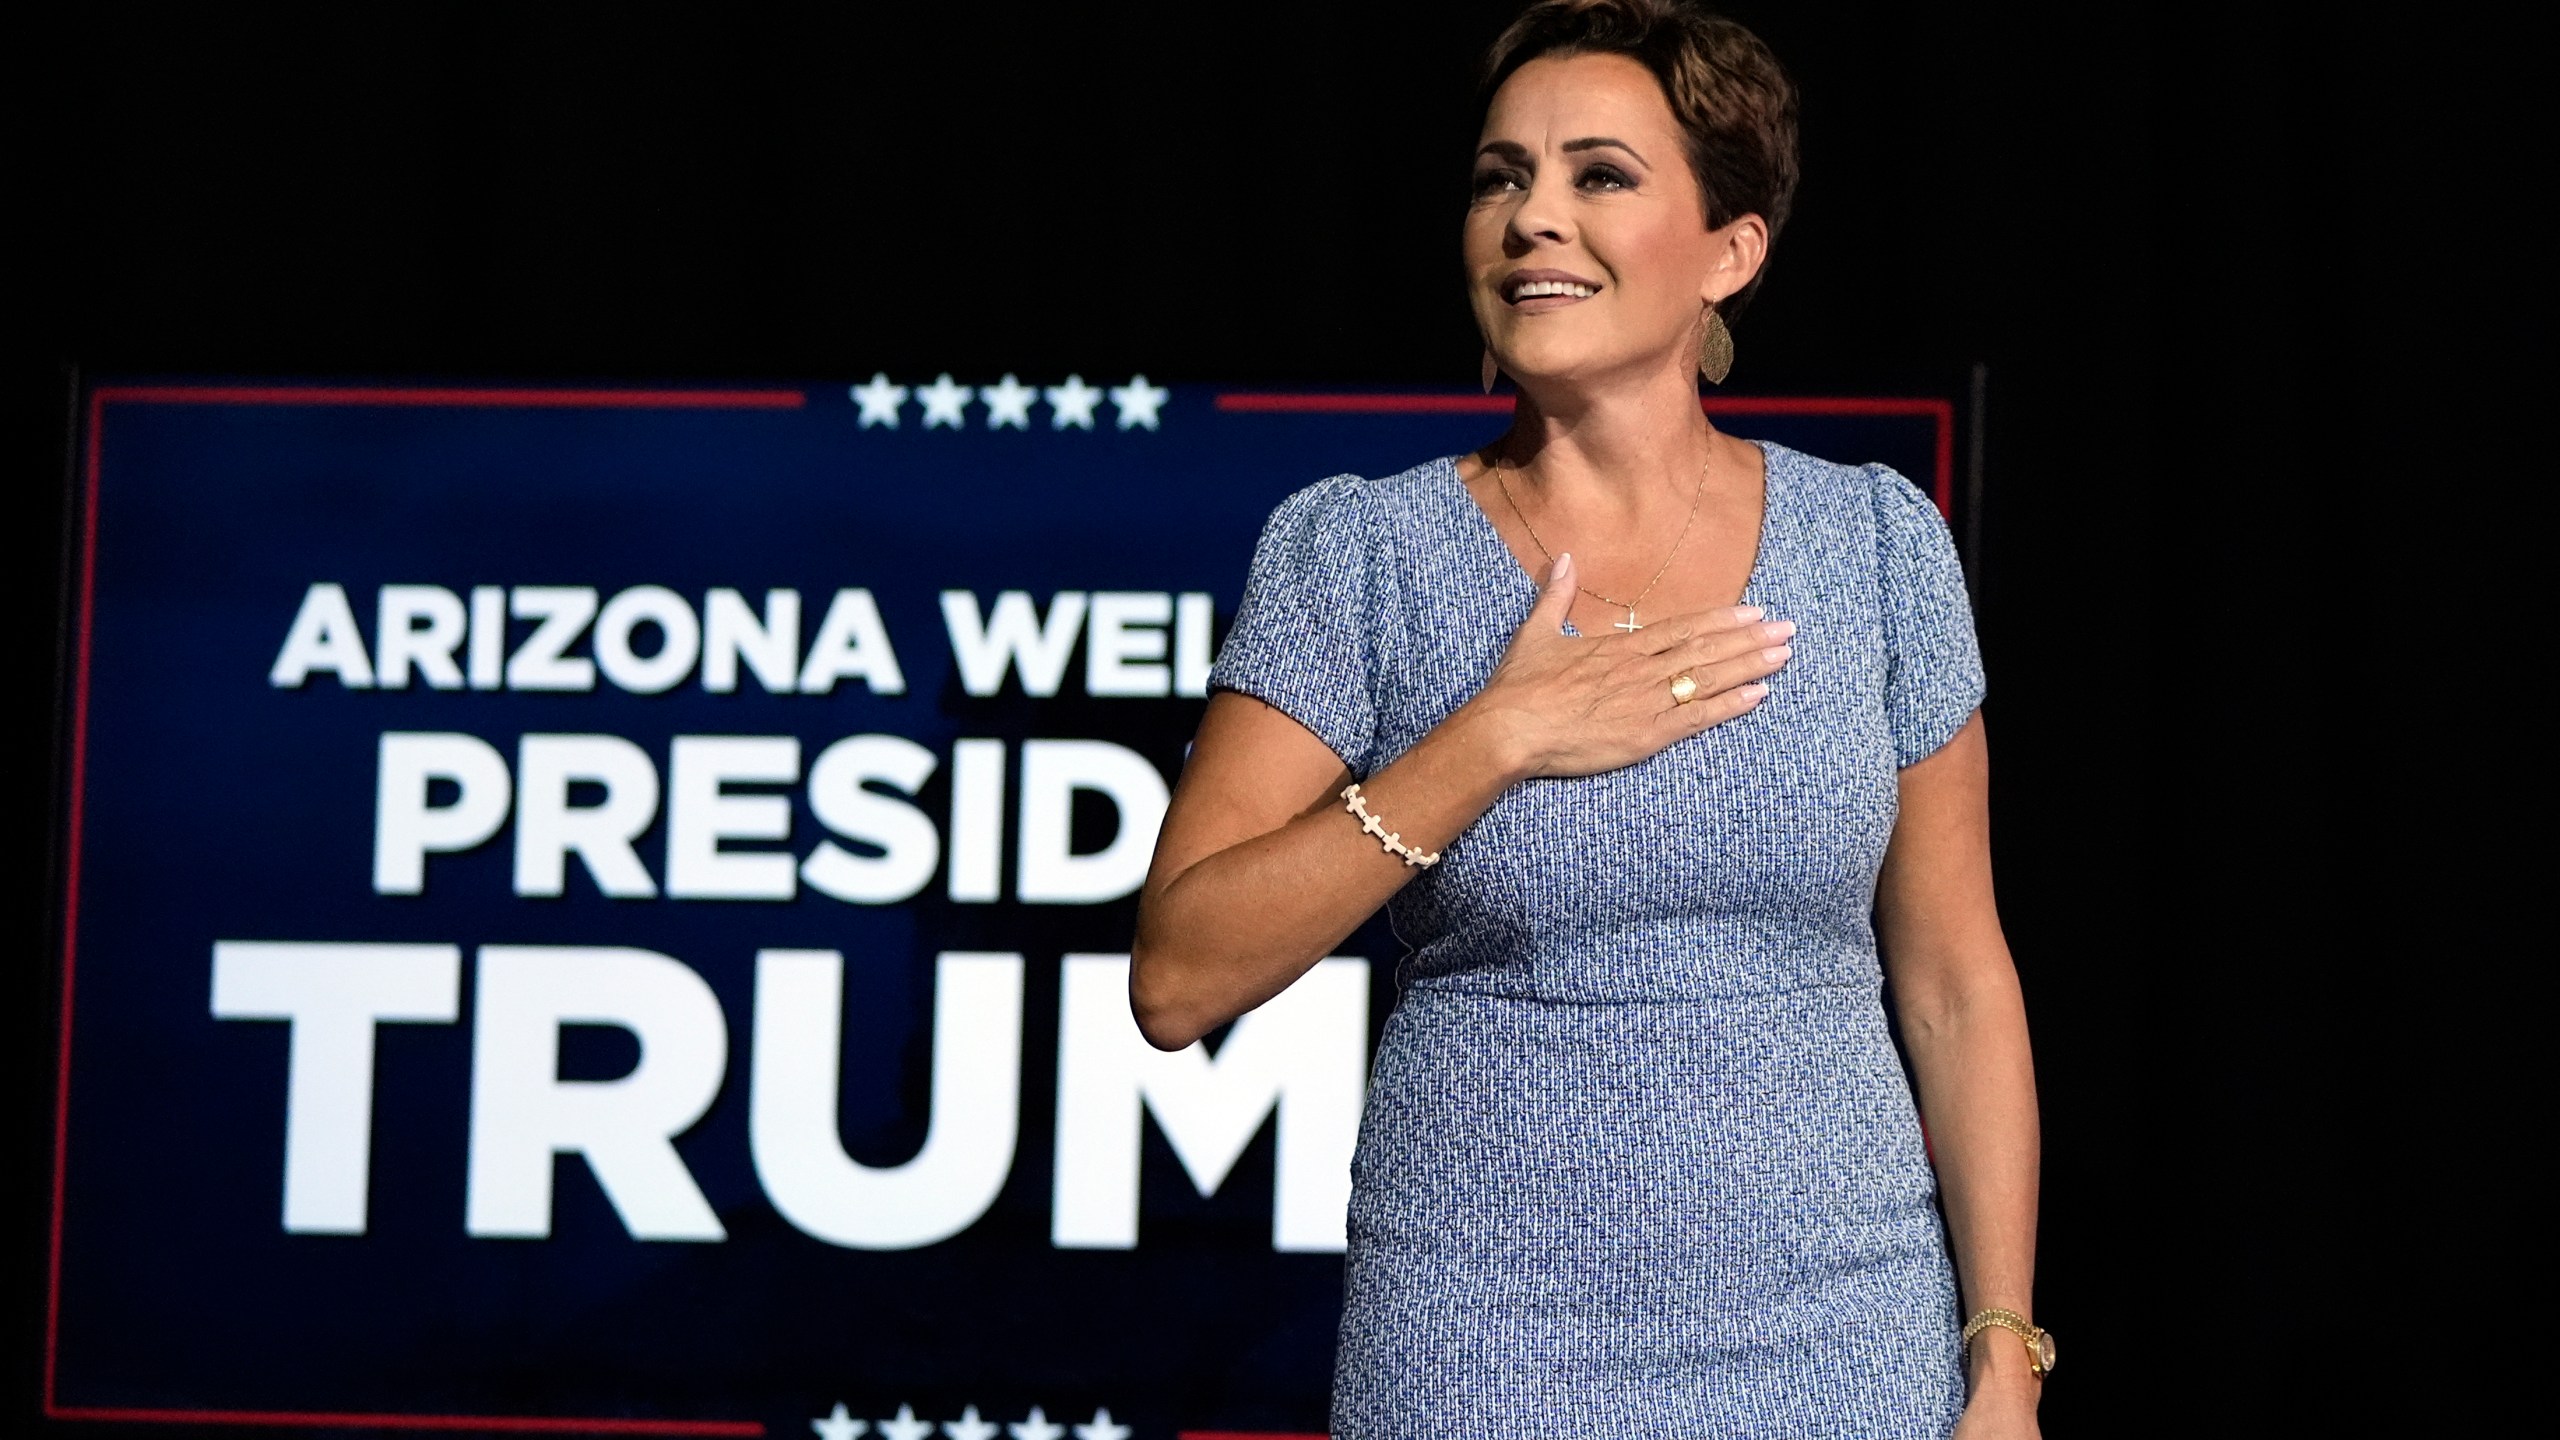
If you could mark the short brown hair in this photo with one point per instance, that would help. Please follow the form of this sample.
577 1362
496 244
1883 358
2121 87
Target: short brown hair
1734 103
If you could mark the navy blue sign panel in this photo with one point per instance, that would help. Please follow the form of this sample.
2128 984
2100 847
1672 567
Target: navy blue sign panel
607 911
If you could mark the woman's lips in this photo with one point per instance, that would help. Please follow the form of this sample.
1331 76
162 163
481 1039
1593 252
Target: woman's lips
1534 290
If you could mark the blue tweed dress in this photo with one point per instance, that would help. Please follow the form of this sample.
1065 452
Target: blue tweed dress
1638 1157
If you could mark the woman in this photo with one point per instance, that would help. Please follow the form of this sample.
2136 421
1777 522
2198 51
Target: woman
1638 1148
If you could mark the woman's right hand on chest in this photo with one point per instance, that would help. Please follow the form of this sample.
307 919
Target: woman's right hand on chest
1259 869
1579 705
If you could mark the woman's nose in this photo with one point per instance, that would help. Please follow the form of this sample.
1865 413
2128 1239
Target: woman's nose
1545 214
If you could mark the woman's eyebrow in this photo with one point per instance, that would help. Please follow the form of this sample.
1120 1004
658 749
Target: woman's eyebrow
1506 149
1596 142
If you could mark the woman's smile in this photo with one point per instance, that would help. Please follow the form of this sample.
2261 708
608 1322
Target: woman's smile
1535 291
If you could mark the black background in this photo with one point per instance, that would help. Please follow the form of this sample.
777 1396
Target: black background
2208 256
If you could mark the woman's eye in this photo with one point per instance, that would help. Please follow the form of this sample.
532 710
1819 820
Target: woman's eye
1605 177
1494 182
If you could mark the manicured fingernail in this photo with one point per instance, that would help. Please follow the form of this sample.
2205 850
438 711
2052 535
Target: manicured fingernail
1776 653
1754 690
1780 630
1748 612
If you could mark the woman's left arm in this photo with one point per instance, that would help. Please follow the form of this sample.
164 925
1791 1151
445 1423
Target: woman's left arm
1965 1026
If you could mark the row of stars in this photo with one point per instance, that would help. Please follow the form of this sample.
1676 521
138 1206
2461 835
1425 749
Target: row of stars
837 1425
1008 402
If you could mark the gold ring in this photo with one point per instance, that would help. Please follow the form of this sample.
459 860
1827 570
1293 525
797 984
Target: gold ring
1683 690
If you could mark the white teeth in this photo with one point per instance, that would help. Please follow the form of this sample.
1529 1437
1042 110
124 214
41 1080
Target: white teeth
1536 288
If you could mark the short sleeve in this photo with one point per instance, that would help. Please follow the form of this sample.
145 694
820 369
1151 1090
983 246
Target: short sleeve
1302 635
1933 664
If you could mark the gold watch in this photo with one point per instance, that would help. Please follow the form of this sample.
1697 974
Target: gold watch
2039 1342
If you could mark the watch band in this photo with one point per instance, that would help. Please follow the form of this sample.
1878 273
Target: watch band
2039 1342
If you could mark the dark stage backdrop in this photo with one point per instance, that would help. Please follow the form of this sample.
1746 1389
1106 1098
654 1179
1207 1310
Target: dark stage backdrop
2121 213
610 905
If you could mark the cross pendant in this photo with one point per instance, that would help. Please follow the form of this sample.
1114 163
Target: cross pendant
1629 624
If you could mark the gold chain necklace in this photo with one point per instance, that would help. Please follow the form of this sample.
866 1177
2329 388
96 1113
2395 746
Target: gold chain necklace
1629 624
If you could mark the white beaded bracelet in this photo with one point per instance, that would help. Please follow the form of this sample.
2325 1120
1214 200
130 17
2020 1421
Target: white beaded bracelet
1393 843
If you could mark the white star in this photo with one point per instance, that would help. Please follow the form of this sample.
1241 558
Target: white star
1071 403
969 1426
1035 1426
1101 1428
880 401
905 1426
837 1425
1008 403
944 402
1138 402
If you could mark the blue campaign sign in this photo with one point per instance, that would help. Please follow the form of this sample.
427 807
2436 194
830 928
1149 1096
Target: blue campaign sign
607 910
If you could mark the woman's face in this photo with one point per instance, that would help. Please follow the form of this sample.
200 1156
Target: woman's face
1587 249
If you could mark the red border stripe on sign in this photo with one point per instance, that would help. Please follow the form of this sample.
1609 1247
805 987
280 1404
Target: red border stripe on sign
476 398
355 1420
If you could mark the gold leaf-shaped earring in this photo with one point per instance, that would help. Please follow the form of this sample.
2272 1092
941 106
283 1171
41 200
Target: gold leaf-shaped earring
1490 369
1715 350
